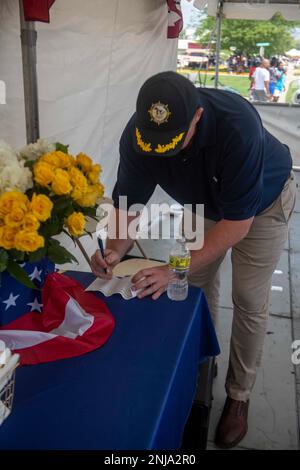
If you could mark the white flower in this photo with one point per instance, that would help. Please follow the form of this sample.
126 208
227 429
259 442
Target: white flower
34 151
15 177
7 155
13 174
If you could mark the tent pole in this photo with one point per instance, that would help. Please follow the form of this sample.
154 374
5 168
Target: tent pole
218 44
28 43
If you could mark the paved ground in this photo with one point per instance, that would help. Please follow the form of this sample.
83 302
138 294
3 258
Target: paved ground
275 402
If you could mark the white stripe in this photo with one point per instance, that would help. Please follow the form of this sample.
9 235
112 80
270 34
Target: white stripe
19 339
76 322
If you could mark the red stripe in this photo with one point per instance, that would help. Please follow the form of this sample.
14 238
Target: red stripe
174 30
37 10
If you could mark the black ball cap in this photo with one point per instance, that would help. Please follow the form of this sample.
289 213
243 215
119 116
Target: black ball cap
166 105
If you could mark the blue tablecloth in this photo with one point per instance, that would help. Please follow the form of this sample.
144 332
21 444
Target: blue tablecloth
133 393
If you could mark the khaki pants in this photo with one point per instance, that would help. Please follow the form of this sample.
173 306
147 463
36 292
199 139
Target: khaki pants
254 260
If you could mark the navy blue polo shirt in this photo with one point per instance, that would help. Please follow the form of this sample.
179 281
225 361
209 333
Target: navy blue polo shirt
234 166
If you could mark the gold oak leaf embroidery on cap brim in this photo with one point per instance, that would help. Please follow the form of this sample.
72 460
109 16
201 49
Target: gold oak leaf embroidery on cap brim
146 147
171 146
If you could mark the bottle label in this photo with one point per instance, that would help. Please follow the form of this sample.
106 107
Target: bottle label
178 262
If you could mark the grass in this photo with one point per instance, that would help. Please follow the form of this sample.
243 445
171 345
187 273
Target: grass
291 91
239 83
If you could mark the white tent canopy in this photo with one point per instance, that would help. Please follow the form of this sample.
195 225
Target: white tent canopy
293 53
252 9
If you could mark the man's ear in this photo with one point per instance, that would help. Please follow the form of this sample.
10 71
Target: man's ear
198 115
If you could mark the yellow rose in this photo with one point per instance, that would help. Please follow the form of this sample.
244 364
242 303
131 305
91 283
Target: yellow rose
61 184
78 180
41 207
9 199
28 241
16 216
76 224
77 194
99 188
84 161
89 198
31 223
43 173
7 237
94 174
65 160
50 158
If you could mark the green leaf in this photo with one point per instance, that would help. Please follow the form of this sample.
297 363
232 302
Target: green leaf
54 242
61 203
3 260
52 227
61 147
58 254
90 211
37 255
63 207
30 164
17 255
20 275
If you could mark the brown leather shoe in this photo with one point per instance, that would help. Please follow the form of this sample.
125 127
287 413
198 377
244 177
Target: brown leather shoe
232 426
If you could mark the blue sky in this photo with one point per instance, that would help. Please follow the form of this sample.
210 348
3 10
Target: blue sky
187 9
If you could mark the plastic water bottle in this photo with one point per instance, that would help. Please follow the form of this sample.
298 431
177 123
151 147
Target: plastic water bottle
179 263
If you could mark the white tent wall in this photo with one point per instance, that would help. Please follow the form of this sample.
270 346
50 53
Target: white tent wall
283 122
92 59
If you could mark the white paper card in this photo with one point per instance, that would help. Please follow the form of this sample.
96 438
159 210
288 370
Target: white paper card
114 286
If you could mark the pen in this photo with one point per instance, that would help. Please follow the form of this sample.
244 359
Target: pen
100 244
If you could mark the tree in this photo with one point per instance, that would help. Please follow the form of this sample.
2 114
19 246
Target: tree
244 34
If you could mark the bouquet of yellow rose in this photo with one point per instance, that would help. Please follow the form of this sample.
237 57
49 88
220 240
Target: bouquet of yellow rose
53 193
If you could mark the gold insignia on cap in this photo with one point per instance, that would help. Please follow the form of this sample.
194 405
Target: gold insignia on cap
159 113
171 145
146 147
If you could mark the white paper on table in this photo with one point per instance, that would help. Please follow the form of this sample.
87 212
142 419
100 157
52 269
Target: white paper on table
116 285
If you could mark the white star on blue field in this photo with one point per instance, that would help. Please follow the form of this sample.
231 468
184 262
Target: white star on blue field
11 301
35 305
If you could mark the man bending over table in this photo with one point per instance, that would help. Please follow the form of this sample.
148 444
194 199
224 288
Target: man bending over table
207 146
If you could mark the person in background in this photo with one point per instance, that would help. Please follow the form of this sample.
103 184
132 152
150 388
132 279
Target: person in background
274 74
252 68
280 83
261 81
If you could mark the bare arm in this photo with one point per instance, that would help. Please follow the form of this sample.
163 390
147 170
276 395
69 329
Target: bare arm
218 240
267 87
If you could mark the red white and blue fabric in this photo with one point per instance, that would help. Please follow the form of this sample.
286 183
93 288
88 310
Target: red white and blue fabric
37 10
73 322
175 20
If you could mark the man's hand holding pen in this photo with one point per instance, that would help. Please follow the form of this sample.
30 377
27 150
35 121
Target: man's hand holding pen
104 261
